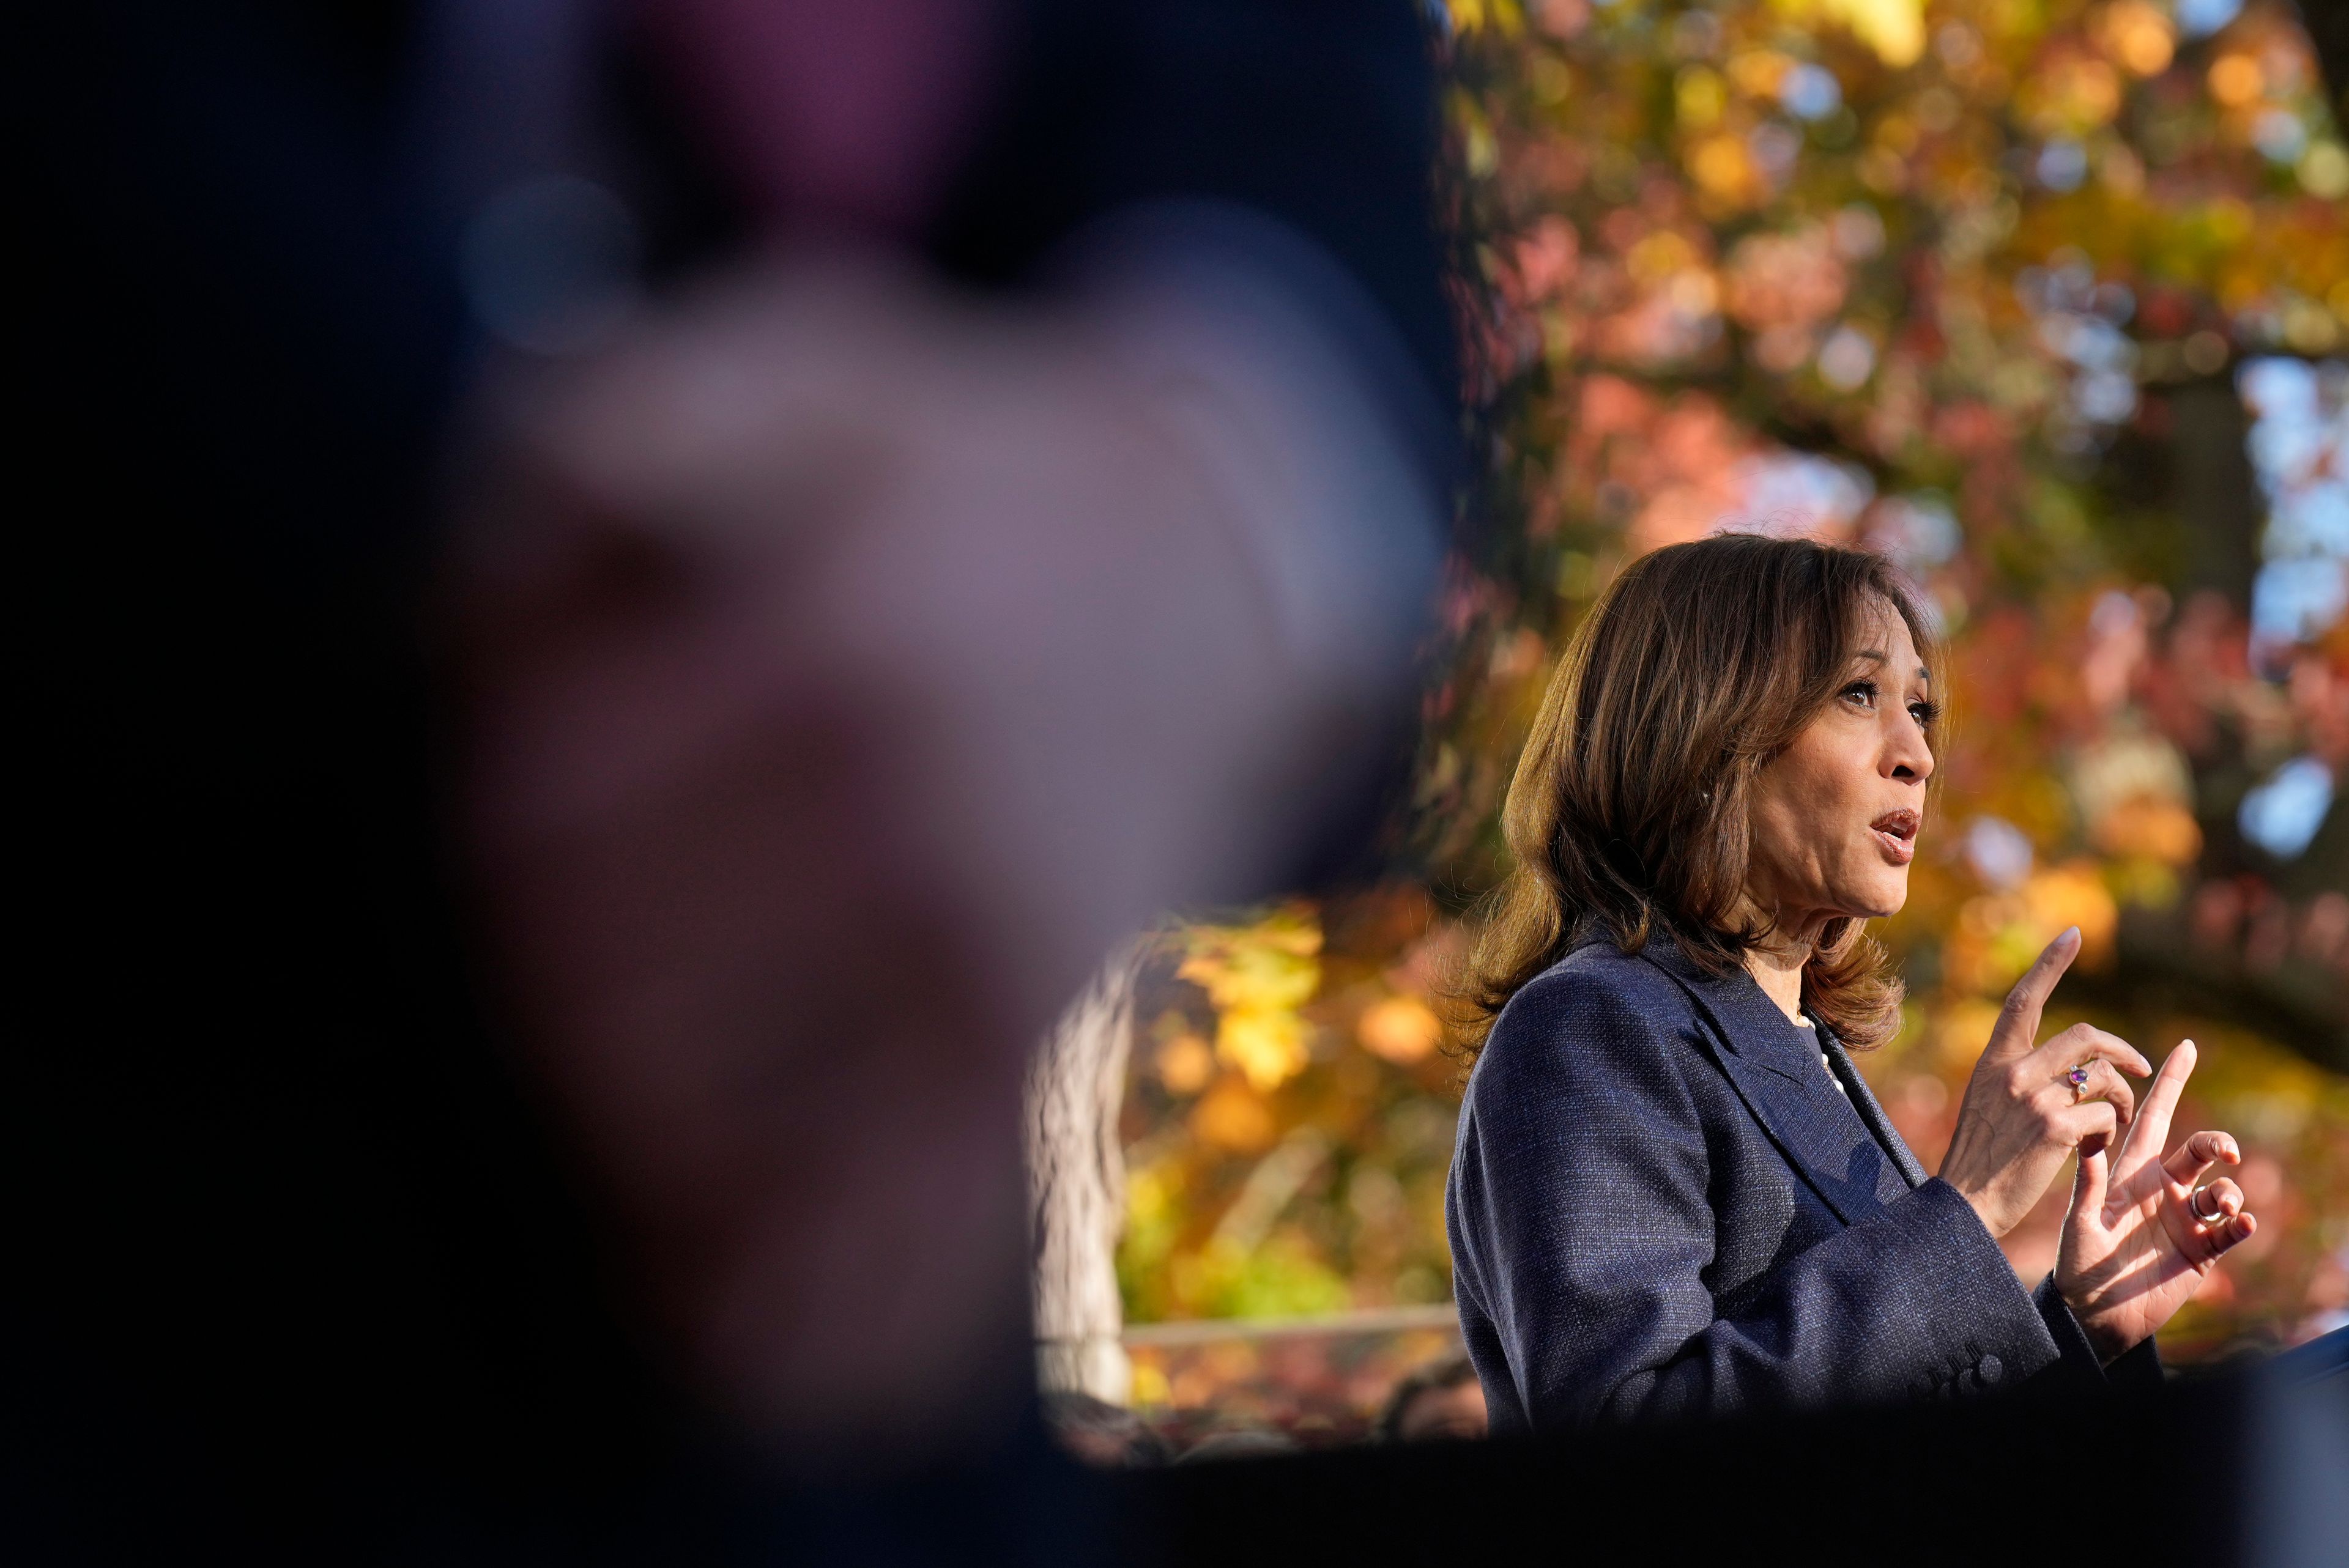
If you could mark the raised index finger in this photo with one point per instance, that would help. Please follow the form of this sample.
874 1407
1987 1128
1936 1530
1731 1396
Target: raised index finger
2147 1139
2018 1021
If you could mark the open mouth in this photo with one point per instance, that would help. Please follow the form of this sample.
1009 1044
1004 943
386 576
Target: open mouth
1897 831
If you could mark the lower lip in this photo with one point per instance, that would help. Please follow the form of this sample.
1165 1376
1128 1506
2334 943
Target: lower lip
1899 850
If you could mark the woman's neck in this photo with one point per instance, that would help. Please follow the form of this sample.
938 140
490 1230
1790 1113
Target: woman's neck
1778 970
1776 961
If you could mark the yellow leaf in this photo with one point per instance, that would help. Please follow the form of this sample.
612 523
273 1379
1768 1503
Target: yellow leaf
1474 15
1271 964
1402 1029
1150 1384
1758 72
1232 1116
2073 894
2235 79
2137 34
1964 1030
1895 29
2150 826
1722 167
1698 97
1184 1064
1268 1046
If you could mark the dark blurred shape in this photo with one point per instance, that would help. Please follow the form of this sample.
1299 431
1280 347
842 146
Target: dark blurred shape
2216 495
1924 1485
1319 111
1106 1436
1254 1444
317 1244
551 265
849 664
2328 29
2296 1454
1439 1401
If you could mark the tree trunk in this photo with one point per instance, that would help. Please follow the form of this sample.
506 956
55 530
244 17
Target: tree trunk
1076 1184
2328 29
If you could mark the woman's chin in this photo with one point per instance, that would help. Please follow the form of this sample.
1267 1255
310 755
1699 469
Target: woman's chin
1878 898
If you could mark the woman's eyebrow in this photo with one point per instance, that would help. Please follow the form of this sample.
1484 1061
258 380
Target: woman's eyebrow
1878 656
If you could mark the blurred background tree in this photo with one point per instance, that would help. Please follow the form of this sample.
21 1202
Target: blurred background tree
2048 299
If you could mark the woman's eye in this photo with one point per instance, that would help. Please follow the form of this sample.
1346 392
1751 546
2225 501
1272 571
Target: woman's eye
1862 692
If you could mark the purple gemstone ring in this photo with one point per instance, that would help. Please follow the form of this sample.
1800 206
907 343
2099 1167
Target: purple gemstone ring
2078 1079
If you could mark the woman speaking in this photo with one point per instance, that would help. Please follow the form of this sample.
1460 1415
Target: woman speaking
1671 1193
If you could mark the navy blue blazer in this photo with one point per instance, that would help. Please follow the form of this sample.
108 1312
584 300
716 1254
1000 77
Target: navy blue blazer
1661 1205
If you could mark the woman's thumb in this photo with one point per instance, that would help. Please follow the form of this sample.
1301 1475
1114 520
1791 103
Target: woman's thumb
2089 1183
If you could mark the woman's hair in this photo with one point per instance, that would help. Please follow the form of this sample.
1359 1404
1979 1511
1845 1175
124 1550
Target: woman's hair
1628 813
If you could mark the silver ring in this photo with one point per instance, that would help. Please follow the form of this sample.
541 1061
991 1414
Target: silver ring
2194 1207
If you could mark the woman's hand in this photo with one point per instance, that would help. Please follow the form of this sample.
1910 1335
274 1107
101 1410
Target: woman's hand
2134 1247
2021 1117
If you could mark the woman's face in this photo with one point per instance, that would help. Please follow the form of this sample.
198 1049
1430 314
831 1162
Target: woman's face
1834 817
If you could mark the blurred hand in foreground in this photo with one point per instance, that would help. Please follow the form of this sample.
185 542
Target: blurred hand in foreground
850 663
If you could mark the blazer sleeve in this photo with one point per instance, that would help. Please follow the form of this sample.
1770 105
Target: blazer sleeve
1583 1205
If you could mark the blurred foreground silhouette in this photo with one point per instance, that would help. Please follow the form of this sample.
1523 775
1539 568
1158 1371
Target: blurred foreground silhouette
629 599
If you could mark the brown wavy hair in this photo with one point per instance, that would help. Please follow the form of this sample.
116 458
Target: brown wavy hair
1627 815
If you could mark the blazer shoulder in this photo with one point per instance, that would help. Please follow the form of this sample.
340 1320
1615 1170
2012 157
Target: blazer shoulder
1596 992
1600 977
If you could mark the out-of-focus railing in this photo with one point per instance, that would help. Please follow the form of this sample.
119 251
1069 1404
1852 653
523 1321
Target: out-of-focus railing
1442 1315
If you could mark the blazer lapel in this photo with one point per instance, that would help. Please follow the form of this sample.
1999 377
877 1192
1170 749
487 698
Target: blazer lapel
1863 1100
1775 1068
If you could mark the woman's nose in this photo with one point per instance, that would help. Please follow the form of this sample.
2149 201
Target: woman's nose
1908 756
